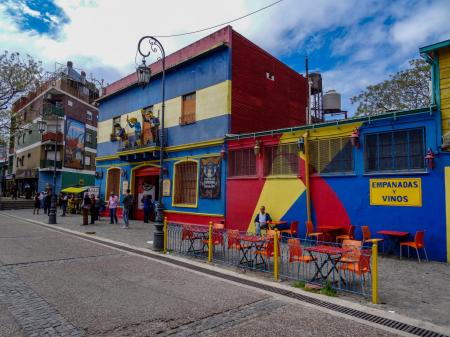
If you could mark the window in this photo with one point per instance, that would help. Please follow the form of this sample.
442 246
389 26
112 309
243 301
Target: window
89 115
185 187
332 155
88 137
188 109
113 182
395 151
242 162
281 159
87 160
116 126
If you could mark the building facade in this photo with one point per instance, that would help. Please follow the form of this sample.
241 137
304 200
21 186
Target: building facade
64 101
218 85
388 172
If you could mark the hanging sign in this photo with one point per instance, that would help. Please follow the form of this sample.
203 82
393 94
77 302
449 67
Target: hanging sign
210 178
166 188
396 192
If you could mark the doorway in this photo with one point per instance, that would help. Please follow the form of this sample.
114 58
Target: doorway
146 182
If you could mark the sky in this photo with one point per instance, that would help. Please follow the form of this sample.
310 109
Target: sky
353 43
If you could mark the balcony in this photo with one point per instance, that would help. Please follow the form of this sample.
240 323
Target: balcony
52 136
50 164
49 110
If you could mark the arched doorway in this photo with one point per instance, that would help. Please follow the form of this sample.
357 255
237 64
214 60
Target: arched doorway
145 182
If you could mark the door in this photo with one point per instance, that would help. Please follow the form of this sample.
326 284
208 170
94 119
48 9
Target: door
146 182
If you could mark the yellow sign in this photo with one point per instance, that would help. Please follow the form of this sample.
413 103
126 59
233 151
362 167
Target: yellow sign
396 192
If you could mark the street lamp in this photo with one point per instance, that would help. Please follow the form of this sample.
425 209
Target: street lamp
143 73
42 127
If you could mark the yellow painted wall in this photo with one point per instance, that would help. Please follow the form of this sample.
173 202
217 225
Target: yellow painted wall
447 208
211 102
444 77
277 196
327 132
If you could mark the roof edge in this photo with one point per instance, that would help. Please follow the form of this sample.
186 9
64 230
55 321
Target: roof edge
434 46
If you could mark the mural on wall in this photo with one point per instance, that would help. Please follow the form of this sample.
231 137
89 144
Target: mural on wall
74 149
210 178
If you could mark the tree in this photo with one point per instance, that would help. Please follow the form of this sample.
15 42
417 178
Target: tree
18 76
407 89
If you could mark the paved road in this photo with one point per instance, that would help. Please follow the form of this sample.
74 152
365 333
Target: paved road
55 284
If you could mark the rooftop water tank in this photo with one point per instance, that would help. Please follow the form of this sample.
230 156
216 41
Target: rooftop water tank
331 101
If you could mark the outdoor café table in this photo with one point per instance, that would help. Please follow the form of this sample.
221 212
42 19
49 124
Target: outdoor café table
199 233
330 232
395 237
274 224
249 242
334 255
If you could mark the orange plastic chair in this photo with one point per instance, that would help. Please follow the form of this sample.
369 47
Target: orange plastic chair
218 225
270 234
291 231
353 253
417 244
296 252
267 251
361 267
349 236
186 234
217 236
310 231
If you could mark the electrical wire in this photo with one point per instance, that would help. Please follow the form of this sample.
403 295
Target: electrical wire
222 24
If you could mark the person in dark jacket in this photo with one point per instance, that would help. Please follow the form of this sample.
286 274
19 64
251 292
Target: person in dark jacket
47 202
149 207
37 203
261 220
86 208
64 202
94 209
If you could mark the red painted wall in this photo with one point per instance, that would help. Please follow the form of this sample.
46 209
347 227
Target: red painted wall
259 103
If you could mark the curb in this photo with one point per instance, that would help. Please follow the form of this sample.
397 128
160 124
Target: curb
217 271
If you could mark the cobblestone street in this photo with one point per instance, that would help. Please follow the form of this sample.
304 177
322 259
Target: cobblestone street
55 284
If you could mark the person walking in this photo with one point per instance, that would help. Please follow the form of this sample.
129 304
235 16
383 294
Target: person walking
93 210
148 207
100 207
86 207
37 204
47 202
112 205
64 202
41 199
127 205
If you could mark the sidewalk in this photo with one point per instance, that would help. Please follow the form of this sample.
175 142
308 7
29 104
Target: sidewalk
420 291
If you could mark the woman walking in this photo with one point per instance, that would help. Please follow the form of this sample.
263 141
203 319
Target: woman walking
37 204
86 207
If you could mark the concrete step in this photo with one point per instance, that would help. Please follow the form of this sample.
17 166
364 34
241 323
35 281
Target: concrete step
16 204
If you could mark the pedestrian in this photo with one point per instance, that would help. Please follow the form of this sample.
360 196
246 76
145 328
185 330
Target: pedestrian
149 207
93 209
41 199
86 207
98 208
47 202
64 202
112 205
37 204
127 205
14 191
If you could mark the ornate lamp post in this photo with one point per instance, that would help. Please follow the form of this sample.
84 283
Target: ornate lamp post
143 78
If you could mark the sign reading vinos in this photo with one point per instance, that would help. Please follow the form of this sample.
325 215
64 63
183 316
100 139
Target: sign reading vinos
396 192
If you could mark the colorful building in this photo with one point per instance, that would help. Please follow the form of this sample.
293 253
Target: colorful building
221 84
389 172
64 100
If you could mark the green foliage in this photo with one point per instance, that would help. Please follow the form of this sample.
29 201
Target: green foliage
408 89
299 284
18 76
328 290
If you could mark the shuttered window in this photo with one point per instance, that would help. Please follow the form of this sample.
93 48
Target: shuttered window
395 151
186 183
281 159
331 155
113 182
188 109
241 163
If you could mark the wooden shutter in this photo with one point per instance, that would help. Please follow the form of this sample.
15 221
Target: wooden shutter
113 182
186 183
188 109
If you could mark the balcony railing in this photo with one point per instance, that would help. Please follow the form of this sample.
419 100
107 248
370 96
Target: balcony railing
50 164
52 136
49 110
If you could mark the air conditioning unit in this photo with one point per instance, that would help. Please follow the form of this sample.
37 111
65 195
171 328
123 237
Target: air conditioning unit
446 141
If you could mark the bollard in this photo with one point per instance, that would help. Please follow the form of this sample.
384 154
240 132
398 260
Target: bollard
210 242
374 272
165 235
275 255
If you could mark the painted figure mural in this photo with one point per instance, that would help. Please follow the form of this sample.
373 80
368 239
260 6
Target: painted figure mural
74 149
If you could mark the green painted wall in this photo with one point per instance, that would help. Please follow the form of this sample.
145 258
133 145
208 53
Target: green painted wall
72 179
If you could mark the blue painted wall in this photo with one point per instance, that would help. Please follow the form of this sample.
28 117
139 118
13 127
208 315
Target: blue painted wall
210 69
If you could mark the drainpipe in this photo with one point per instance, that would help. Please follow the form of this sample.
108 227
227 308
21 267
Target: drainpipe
308 193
